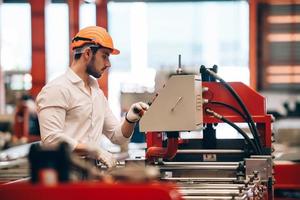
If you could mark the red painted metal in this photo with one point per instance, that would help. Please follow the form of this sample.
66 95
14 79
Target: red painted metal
253 42
38 66
254 102
154 139
287 175
74 6
160 152
91 191
21 121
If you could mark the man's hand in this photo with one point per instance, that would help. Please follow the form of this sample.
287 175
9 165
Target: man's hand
136 111
103 156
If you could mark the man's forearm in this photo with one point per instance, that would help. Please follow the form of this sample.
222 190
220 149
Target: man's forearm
82 149
127 129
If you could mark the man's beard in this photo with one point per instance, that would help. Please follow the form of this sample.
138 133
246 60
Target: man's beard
91 69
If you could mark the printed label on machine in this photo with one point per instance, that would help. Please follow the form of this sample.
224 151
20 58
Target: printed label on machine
210 157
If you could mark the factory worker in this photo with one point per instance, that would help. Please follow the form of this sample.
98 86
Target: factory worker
73 109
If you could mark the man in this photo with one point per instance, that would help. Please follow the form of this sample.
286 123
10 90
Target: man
73 109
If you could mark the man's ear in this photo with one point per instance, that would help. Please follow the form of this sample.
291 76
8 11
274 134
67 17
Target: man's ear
87 53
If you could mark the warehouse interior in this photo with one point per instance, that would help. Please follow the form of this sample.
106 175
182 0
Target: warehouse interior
206 94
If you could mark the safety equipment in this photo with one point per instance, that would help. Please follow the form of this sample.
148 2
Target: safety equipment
136 111
94 35
102 155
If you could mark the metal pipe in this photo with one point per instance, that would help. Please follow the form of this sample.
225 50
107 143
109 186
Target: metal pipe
219 151
201 179
211 186
166 153
206 167
200 163
215 197
206 192
13 163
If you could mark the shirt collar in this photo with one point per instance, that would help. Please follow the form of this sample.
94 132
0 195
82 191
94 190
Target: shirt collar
74 78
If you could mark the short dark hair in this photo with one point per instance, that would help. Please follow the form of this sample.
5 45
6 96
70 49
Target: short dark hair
77 56
94 51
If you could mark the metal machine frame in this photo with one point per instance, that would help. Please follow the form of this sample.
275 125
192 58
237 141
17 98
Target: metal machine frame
199 166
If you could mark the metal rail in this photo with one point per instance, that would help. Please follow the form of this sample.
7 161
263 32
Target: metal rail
210 151
201 179
207 192
215 197
200 163
211 186
204 167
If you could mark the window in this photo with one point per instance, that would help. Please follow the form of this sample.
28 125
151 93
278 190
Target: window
57 35
15 52
151 35
15 47
279 44
87 15
57 39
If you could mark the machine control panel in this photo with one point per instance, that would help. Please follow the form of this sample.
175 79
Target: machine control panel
178 106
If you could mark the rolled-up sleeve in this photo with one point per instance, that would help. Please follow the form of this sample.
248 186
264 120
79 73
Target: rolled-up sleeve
112 127
52 104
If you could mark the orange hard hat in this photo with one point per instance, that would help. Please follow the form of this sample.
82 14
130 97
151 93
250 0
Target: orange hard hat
94 35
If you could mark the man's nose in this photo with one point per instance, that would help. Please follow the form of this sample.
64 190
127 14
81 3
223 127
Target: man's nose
107 64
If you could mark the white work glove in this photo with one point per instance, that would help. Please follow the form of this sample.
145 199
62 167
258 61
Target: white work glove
136 111
103 156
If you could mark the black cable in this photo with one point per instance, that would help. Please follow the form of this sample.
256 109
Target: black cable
255 132
235 110
241 132
245 110
236 96
224 119
231 107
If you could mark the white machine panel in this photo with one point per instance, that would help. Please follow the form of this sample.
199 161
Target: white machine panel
178 106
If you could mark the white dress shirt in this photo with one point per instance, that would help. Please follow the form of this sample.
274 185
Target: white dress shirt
67 112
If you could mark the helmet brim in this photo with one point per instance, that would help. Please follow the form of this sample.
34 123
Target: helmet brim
115 52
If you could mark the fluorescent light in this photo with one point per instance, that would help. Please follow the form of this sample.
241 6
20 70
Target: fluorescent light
284 2
284 79
283 69
283 37
284 19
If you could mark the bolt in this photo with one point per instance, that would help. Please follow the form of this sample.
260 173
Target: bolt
251 178
272 148
246 182
255 172
240 189
272 139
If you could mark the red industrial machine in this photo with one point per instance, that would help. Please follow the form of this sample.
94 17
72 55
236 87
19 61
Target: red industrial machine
205 166
209 167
